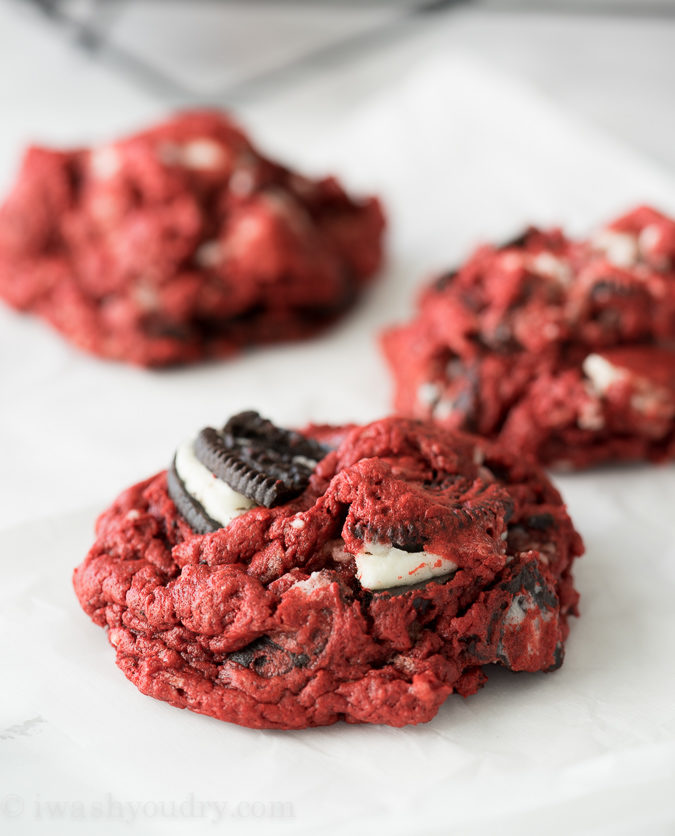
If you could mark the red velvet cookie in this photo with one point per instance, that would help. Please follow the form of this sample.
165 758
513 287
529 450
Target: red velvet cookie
563 349
376 579
180 243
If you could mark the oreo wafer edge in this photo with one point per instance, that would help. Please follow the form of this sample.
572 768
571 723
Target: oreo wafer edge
265 463
187 506
253 461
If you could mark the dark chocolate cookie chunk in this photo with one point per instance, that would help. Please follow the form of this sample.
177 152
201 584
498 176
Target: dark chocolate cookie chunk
254 457
267 658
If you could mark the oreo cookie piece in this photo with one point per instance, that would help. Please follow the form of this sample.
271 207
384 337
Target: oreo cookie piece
187 506
259 460
254 463
266 658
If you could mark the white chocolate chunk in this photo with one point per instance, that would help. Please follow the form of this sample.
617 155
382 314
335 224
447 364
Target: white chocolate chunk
219 501
547 264
511 260
209 254
105 162
647 396
619 248
317 580
590 416
380 566
649 238
601 372
444 409
203 154
428 393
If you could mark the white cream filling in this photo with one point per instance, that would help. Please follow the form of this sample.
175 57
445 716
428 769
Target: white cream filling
305 462
380 566
520 606
219 500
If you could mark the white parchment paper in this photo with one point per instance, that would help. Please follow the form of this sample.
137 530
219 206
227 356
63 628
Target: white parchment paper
459 154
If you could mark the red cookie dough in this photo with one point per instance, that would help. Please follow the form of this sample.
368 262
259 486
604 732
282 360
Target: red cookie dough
180 243
265 623
562 349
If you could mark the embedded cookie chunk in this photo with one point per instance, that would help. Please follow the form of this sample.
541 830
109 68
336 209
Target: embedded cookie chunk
563 349
180 243
223 473
407 560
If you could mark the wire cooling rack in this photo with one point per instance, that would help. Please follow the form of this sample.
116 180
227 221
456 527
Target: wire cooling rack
224 50
149 39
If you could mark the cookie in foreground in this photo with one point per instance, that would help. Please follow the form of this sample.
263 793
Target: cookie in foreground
271 580
561 348
180 243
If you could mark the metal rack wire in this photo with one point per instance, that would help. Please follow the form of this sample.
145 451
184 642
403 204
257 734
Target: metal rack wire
90 24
